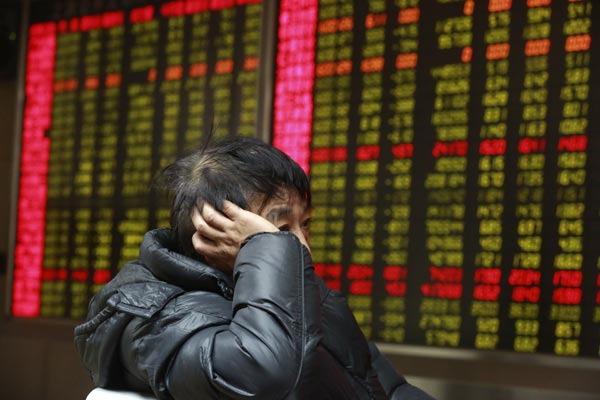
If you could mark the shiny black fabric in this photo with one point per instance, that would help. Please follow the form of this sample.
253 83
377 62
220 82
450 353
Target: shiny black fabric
172 325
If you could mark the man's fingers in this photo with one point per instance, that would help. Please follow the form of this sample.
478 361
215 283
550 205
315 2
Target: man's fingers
215 253
196 217
206 246
214 218
206 230
200 243
246 222
230 210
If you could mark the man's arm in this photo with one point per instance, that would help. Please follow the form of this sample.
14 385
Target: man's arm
275 322
191 349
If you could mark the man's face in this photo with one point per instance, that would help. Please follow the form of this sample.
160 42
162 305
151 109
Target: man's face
288 212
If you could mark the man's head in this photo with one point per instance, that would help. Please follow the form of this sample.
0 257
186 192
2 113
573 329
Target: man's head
245 171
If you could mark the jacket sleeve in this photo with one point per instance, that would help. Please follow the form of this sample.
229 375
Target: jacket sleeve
394 384
343 338
120 302
261 352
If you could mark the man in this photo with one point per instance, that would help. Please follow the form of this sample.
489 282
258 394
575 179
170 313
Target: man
227 304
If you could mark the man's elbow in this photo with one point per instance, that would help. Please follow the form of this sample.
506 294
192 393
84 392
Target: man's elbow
249 370
257 374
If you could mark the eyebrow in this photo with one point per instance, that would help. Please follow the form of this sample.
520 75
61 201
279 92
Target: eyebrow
282 210
278 212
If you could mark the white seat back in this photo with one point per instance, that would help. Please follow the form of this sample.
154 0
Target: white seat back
104 394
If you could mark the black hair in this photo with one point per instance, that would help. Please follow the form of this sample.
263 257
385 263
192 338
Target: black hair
235 169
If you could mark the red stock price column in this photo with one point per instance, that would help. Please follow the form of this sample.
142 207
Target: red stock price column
440 308
39 77
491 177
567 274
294 79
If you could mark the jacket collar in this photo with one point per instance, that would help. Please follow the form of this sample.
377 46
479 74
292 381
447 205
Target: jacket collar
156 252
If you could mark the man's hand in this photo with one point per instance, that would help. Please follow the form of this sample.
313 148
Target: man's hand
219 235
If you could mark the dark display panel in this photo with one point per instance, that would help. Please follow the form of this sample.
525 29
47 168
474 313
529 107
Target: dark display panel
114 92
452 148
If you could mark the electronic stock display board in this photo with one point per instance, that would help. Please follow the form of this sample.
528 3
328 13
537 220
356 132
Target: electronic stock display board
450 146
114 92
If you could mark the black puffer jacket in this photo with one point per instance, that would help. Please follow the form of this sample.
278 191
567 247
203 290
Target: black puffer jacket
173 325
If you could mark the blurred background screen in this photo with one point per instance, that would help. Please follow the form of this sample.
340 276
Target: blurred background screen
449 144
